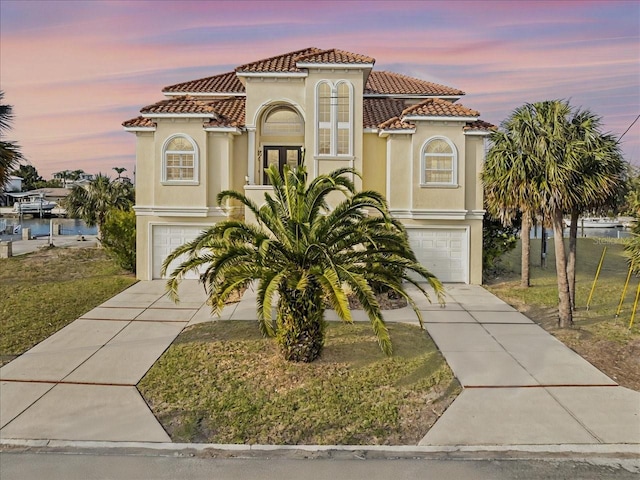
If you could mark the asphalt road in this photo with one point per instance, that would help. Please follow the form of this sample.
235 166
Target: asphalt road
92 466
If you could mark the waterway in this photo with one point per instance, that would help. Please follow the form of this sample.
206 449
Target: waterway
586 233
40 227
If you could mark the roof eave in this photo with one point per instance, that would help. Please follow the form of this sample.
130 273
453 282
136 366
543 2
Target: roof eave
273 74
139 129
411 96
479 133
181 115
447 118
205 94
356 66
400 131
232 130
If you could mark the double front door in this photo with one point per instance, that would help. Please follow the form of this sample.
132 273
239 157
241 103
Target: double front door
280 156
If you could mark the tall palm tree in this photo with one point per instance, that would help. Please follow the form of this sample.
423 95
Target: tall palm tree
10 154
93 202
119 171
507 175
602 180
306 253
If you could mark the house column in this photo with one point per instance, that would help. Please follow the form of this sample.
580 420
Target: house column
251 155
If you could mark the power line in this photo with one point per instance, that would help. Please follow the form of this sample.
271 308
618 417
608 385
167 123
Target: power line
632 124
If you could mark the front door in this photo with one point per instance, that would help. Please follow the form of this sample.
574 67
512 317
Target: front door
280 156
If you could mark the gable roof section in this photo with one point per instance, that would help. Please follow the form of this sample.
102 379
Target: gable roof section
389 83
280 63
479 126
185 105
333 57
434 107
396 124
225 83
230 113
227 112
139 124
378 110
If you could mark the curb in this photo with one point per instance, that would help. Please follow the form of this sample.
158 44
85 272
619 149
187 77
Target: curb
358 451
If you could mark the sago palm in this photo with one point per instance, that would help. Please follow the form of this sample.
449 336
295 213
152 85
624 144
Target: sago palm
306 254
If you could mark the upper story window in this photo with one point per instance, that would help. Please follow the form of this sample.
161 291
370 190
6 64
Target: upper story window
334 128
282 121
439 162
180 160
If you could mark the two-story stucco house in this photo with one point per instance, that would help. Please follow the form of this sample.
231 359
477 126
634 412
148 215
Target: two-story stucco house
409 138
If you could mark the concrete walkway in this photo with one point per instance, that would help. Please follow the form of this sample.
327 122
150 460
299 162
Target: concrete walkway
522 386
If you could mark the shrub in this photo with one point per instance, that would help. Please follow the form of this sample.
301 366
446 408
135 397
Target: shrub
119 237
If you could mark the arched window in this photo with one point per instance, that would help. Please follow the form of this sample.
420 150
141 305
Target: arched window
282 121
334 114
439 162
180 160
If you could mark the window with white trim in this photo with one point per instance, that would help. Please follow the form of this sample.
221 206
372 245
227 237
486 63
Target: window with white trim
439 162
334 119
180 160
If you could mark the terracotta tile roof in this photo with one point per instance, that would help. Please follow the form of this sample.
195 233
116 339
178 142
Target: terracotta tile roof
178 105
335 56
223 83
396 124
480 125
389 83
139 122
279 63
378 110
435 107
230 113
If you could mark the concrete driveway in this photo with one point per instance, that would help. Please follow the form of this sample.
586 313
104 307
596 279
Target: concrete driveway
521 385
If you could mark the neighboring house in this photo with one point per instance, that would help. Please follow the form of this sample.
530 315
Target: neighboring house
408 137
13 184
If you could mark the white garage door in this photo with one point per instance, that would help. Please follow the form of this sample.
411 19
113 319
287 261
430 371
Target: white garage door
444 252
166 238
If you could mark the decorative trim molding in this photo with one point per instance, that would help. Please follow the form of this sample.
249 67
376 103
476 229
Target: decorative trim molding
429 214
475 214
172 211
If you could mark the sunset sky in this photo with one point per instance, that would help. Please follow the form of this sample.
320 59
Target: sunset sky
73 71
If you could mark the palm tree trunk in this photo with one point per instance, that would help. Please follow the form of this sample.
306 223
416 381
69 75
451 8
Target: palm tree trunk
525 239
571 260
565 316
300 324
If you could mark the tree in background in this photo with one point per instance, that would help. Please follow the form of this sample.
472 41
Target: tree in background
31 179
119 171
305 253
10 154
94 202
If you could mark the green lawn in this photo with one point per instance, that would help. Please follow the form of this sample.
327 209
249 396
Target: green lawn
222 382
543 291
600 337
46 290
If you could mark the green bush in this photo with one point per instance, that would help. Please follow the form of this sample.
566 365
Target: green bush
496 241
119 237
